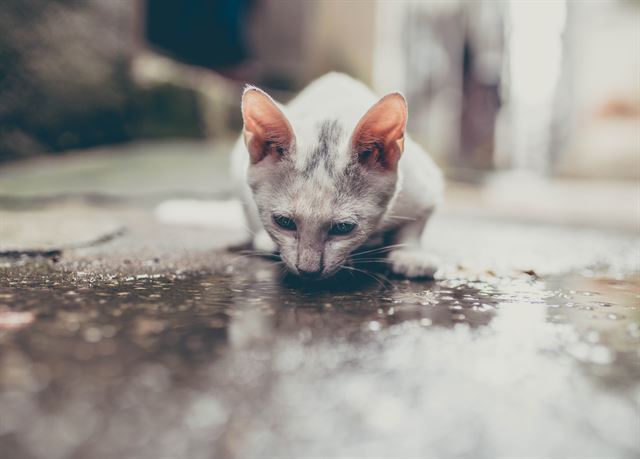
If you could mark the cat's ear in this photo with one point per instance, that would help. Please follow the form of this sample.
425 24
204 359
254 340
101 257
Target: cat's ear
266 130
378 139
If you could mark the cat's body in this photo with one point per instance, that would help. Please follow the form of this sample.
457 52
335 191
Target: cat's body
320 180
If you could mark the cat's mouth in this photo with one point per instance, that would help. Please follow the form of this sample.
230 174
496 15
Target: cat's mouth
342 277
316 276
311 276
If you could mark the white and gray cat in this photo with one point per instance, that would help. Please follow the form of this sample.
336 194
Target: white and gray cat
332 174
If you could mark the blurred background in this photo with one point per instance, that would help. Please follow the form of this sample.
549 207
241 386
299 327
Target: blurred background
128 330
531 107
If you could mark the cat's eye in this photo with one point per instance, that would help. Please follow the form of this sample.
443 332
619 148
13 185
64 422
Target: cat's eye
284 222
341 228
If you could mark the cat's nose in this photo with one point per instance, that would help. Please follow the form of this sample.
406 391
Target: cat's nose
309 274
309 262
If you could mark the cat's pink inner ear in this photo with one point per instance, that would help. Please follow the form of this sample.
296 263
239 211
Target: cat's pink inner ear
266 130
378 139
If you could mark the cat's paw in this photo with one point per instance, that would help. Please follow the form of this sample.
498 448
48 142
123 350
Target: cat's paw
263 243
413 263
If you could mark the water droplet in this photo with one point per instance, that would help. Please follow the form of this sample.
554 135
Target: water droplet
15 319
92 334
73 325
634 330
108 331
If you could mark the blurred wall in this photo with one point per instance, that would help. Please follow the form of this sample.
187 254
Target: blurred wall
66 78
294 42
342 36
63 73
601 91
76 73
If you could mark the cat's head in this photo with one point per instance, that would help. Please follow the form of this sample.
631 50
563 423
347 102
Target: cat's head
322 190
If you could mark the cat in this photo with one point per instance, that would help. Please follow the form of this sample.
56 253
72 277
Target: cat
334 173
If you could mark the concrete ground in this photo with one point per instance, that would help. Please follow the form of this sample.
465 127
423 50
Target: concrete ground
128 329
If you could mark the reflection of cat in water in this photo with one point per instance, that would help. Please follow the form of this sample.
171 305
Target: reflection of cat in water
334 174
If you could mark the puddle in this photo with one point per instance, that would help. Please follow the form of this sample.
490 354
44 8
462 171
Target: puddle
244 363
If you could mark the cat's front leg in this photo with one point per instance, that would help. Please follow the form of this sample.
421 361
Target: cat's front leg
413 263
410 259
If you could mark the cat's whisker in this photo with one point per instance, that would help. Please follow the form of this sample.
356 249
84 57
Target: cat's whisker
385 279
283 271
366 273
386 248
253 233
384 283
256 253
371 260
400 217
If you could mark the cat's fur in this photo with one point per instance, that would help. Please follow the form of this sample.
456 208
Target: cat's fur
320 160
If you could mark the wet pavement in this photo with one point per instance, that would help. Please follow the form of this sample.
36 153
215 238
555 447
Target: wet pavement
132 338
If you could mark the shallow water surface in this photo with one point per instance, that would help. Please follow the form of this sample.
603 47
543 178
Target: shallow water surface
242 363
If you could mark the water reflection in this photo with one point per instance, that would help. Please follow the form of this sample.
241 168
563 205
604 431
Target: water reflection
239 362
